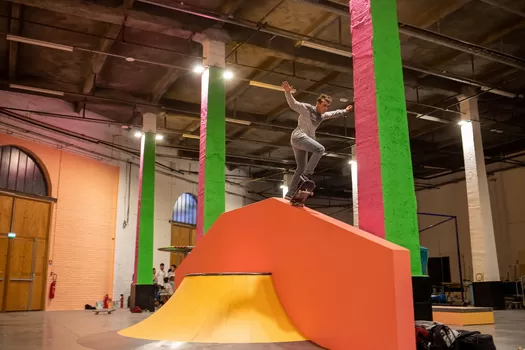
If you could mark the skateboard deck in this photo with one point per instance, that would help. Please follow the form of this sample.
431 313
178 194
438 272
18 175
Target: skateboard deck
97 311
304 191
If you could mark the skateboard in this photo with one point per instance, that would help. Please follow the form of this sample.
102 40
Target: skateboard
304 191
109 311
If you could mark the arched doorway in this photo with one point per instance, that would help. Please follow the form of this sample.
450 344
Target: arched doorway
24 226
183 224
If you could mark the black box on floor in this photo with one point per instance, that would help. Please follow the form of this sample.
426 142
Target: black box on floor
143 296
489 294
422 294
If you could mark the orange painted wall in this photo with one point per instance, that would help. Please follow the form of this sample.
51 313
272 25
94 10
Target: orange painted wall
82 233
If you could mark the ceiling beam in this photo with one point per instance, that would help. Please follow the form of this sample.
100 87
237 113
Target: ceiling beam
231 7
505 7
275 45
434 37
117 15
191 129
14 28
165 83
97 61
272 62
282 48
488 39
285 49
437 11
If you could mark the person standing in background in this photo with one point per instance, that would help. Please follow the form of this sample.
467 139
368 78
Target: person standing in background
161 274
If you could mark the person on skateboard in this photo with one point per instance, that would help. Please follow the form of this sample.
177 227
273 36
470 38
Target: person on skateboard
303 137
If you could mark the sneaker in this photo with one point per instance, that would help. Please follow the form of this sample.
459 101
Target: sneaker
306 178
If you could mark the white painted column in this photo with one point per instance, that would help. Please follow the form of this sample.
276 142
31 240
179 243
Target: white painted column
355 203
149 122
214 52
482 241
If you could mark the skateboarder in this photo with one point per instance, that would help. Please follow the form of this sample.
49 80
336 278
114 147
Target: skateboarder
303 137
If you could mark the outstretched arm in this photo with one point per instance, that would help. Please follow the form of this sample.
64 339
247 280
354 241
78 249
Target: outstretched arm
292 102
337 113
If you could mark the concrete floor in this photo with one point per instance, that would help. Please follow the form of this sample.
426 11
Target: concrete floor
65 330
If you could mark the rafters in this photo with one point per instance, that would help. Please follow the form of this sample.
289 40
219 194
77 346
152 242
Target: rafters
14 28
98 60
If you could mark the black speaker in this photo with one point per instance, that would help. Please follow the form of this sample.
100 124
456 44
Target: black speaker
422 294
143 296
489 294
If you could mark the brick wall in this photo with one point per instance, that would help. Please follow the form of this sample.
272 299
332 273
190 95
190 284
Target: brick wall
81 238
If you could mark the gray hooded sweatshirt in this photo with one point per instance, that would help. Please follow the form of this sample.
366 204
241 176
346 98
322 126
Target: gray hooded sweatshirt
309 120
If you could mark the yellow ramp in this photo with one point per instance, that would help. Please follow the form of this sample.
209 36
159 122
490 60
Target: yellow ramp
225 308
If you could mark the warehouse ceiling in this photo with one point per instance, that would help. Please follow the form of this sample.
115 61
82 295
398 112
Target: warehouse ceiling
134 56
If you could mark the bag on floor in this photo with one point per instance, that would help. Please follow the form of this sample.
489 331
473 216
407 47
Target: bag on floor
475 341
435 336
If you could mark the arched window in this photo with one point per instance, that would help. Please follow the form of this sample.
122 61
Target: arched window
20 172
185 210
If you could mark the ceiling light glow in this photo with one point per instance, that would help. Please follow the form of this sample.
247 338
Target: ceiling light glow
198 69
228 75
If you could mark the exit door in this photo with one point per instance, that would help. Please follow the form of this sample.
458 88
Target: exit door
24 225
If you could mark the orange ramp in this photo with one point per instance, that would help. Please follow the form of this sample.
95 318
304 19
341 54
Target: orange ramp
339 285
235 308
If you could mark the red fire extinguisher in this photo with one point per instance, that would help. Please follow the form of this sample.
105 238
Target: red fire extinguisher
106 302
53 287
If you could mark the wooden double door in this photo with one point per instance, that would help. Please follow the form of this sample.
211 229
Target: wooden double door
24 227
181 234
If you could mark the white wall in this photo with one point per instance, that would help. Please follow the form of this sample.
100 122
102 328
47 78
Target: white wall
167 191
507 193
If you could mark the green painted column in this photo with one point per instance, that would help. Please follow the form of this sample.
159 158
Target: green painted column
211 201
146 205
386 195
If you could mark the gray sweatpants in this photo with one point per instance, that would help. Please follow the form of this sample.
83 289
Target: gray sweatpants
303 144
